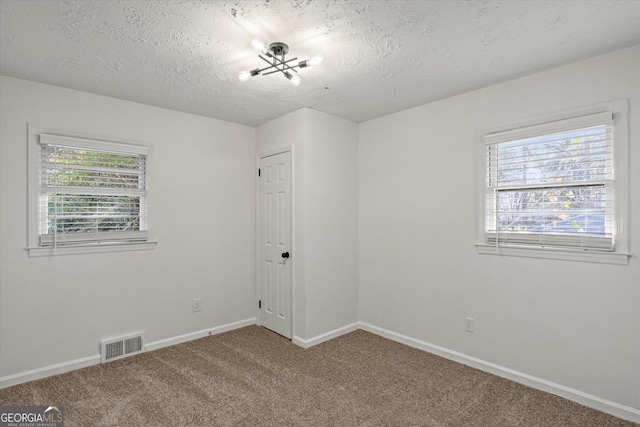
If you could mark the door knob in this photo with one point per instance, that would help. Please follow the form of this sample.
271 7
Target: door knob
285 255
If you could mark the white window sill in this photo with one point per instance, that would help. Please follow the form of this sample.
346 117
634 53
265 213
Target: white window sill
94 248
616 258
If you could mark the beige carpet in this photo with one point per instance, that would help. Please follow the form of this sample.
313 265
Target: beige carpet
253 377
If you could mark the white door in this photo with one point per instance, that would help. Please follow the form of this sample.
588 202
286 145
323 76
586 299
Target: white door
275 243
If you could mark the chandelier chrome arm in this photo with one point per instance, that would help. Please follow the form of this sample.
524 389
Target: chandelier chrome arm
278 63
275 63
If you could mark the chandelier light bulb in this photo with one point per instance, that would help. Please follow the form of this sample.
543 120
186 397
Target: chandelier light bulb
295 79
258 44
243 76
316 60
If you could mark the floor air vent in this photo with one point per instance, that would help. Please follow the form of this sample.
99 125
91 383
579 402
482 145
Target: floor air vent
118 348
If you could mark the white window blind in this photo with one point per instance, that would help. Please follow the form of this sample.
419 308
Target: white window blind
91 191
552 185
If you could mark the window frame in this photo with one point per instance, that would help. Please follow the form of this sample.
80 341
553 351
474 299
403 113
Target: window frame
620 254
34 247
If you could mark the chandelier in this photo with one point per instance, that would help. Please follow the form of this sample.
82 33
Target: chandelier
275 56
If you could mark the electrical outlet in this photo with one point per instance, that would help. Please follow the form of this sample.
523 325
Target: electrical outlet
196 304
468 326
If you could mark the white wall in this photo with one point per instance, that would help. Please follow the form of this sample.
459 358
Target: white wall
571 323
201 210
325 218
331 232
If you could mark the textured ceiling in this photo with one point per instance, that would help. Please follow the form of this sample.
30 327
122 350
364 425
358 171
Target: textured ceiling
380 56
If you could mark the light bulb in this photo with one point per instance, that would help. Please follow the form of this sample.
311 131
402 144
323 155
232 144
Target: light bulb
295 79
316 60
243 76
258 44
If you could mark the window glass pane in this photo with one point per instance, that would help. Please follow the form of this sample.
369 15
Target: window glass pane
73 167
574 209
581 155
85 213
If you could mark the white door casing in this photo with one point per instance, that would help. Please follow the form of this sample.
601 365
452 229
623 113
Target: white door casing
274 270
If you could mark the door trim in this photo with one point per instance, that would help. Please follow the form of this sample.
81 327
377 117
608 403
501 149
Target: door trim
259 156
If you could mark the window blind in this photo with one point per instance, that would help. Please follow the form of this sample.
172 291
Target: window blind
91 191
552 185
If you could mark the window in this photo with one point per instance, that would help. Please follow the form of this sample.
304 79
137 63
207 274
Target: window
558 185
90 193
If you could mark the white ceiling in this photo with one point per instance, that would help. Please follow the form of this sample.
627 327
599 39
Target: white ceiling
380 56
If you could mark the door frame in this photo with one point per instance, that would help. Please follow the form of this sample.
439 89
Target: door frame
292 260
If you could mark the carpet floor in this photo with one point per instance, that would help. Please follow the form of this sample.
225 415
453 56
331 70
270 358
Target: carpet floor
253 377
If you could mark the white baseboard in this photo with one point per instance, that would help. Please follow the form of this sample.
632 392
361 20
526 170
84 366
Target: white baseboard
326 336
586 399
47 371
83 362
155 345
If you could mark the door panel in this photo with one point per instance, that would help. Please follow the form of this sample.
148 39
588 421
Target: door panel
275 240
